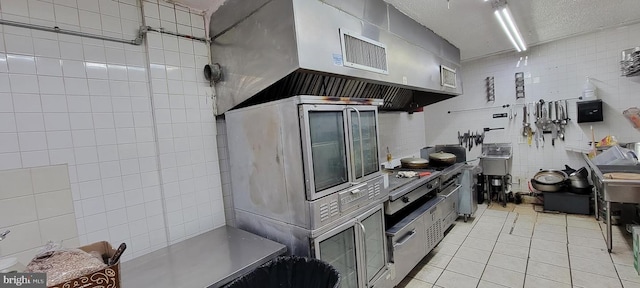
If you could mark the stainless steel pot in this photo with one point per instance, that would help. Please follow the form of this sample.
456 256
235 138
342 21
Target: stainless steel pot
579 178
414 163
549 180
442 159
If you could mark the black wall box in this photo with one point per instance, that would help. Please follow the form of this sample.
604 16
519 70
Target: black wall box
589 111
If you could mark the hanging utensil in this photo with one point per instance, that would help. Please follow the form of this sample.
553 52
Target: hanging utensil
553 122
460 138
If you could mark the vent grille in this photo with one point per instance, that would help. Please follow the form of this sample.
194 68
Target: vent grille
333 208
324 212
447 77
434 234
362 53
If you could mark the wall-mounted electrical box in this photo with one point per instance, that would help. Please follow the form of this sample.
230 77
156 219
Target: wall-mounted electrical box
589 111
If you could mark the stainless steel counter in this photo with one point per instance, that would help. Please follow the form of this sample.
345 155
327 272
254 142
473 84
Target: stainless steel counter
613 190
212 259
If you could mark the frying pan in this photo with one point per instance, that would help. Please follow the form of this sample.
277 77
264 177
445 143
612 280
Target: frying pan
414 163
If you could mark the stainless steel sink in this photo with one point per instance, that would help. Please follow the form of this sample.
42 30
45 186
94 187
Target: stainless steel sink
613 190
496 158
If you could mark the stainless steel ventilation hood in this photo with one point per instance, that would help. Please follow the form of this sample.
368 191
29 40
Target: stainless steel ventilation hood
273 49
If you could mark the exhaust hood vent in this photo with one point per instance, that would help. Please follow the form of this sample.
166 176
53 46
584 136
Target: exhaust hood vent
362 53
274 49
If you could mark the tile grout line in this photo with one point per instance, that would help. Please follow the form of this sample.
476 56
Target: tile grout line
494 247
615 268
476 220
526 267
566 228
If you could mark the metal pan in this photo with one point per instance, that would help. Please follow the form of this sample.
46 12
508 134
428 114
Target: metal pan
414 163
549 180
442 159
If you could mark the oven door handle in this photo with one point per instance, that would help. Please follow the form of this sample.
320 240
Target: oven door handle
361 140
405 239
364 246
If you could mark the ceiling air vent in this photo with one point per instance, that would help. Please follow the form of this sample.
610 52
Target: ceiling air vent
447 77
363 53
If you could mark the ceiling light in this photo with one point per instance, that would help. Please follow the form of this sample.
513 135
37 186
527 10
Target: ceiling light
503 13
514 29
506 30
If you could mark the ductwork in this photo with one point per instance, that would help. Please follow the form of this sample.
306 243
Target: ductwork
273 49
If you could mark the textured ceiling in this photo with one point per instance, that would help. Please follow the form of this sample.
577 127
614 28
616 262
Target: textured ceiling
471 26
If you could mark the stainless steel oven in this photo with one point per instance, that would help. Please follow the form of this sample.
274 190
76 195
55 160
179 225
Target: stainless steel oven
339 146
356 249
305 172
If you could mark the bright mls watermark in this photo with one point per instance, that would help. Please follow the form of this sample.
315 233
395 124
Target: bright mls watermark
23 280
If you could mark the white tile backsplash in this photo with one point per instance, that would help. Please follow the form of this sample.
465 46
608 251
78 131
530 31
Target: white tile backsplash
87 103
51 204
23 237
32 213
58 228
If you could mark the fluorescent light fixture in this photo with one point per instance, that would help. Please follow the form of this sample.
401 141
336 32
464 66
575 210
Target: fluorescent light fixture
508 24
506 30
506 12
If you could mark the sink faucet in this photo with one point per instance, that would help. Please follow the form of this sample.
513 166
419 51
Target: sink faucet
4 234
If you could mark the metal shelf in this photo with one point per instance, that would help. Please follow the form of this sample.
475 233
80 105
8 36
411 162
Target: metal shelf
630 63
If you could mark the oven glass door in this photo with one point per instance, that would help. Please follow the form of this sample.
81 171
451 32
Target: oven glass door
338 247
325 147
374 240
364 133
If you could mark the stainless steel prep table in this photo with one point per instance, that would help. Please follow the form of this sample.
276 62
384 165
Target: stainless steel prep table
212 259
613 190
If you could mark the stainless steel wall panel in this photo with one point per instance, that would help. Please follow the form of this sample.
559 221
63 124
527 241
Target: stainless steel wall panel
375 12
296 239
408 28
232 11
450 52
257 166
353 7
247 53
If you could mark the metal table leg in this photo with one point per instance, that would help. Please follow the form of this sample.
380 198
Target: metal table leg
487 189
608 215
503 192
595 204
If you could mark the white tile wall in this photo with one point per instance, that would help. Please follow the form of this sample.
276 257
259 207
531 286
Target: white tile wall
402 133
88 103
37 206
553 71
185 125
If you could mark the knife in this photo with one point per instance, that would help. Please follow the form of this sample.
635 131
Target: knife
116 256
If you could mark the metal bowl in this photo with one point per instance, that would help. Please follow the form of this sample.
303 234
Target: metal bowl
550 177
549 180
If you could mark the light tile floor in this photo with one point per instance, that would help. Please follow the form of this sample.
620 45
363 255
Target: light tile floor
519 247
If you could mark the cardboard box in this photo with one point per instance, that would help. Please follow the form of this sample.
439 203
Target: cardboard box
107 277
635 232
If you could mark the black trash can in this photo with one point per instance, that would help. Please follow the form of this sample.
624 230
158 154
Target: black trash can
290 272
